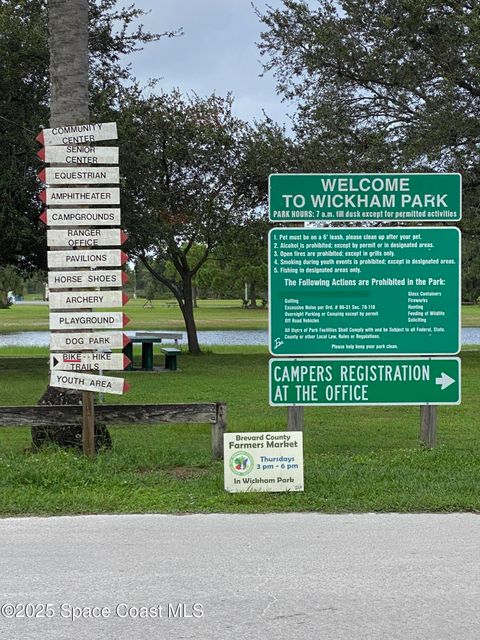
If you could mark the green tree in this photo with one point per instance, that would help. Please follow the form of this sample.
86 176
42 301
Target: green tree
188 178
24 104
383 85
10 280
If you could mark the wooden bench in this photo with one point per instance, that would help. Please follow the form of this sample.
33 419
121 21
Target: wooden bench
171 354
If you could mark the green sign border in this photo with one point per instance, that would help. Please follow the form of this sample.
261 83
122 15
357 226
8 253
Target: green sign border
370 360
346 218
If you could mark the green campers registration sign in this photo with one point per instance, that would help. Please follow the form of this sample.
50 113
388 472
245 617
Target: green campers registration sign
363 197
364 291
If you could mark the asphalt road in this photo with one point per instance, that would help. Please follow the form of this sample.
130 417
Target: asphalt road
221 577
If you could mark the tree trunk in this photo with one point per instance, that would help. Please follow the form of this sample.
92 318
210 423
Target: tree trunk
194 296
253 295
188 315
68 40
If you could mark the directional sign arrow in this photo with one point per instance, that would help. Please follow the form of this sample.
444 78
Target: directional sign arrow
79 175
83 238
98 278
85 299
88 320
88 382
88 341
85 258
444 381
81 217
85 361
78 134
76 155
80 195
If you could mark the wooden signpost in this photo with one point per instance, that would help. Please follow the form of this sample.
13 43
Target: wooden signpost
85 237
81 217
82 299
82 273
88 341
88 320
87 258
99 278
79 175
79 155
73 361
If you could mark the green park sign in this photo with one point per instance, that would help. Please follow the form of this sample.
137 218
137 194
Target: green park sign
364 291
364 381
362 197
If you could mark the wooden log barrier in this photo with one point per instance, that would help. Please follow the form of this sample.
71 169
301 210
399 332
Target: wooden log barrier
124 414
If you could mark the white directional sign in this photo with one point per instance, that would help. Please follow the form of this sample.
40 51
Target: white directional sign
84 299
88 341
78 134
81 217
88 361
87 258
88 320
80 195
79 155
85 237
99 278
80 175
88 382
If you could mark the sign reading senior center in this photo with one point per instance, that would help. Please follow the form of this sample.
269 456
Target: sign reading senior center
361 196
269 462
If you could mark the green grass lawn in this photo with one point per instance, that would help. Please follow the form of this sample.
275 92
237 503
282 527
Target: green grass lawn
356 459
211 314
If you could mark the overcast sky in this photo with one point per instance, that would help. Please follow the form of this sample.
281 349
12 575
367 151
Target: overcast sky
217 52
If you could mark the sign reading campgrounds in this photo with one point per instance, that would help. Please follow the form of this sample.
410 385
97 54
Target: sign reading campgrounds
364 381
263 461
364 291
363 197
82 274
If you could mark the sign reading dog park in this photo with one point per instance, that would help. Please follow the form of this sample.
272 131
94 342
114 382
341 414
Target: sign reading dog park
364 381
263 461
364 291
78 244
362 197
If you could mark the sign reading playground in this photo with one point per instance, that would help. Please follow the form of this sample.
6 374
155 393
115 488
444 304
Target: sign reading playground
364 381
364 291
360 197
263 461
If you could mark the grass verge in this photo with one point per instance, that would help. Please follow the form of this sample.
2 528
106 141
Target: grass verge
356 459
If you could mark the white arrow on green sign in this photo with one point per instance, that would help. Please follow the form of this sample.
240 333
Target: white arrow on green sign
364 381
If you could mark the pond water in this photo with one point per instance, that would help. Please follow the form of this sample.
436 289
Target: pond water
470 335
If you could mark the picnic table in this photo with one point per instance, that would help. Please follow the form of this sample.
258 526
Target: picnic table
147 339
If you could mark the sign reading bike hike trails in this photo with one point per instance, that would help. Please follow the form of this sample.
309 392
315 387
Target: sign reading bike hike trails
364 381
263 461
364 291
363 197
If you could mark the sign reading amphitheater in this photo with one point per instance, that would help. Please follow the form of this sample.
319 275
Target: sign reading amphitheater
364 291
360 196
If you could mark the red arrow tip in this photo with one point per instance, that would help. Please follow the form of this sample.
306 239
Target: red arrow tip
41 153
43 217
41 175
126 361
126 339
126 320
125 298
40 138
123 257
124 278
126 386
43 195
123 236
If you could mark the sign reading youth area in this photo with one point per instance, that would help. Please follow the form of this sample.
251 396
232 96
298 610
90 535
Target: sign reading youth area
263 461
364 381
358 291
359 196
